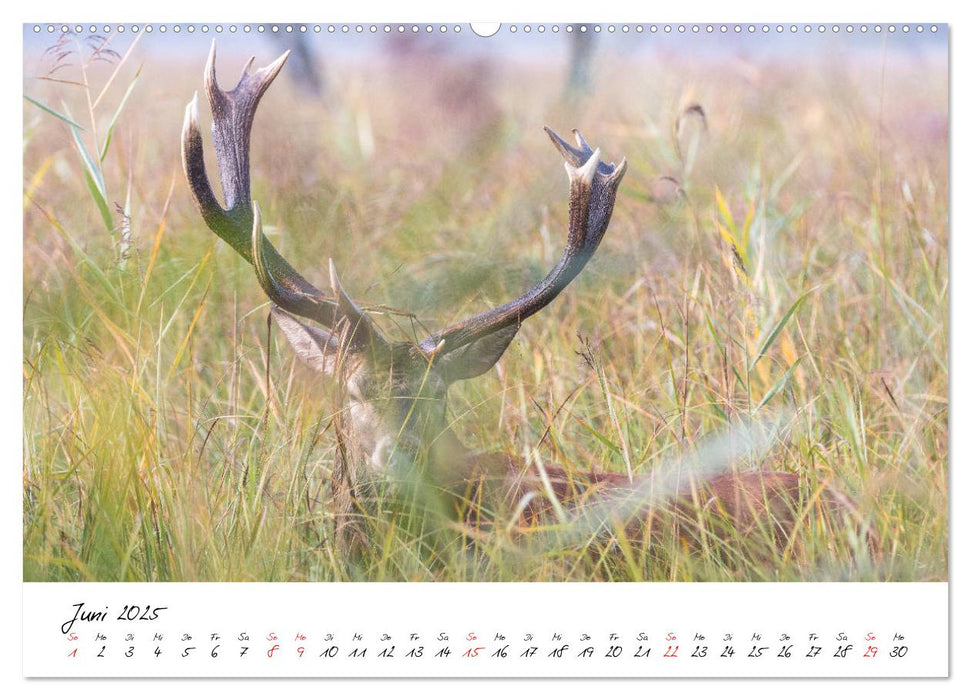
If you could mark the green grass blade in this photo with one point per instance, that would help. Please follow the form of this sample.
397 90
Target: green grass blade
54 113
713 403
778 328
114 118
100 201
779 385
94 181
601 437
88 162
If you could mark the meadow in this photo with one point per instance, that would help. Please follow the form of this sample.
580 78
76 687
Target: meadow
778 255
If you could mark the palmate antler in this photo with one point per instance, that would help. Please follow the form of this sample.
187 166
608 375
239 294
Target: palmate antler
240 224
593 189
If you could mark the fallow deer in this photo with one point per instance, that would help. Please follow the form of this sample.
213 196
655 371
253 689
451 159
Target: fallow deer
393 422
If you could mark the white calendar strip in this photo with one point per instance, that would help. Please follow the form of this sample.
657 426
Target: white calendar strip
495 630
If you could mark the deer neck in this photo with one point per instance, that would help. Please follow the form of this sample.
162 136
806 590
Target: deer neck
392 439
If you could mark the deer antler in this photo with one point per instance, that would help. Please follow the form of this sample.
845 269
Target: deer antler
593 189
240 223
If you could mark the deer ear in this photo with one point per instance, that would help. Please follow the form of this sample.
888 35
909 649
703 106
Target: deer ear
315 347
475 358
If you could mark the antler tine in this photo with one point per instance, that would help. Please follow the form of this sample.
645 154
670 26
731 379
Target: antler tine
238 224
361 330
593 189
232 123
194 165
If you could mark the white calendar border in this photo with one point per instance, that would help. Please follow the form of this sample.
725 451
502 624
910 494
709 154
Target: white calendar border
704 10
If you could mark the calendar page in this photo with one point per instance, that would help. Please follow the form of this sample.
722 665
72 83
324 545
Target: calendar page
554 350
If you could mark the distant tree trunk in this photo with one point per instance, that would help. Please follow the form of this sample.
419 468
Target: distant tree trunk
301 66
581 53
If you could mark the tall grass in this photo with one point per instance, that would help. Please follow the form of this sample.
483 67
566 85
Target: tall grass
778 253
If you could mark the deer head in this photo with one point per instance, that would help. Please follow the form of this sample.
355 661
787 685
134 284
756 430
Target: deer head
394 390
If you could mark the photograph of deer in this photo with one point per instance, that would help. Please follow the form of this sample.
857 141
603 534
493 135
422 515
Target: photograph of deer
736 369
392 425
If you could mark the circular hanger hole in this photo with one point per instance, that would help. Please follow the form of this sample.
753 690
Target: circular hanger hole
485 29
